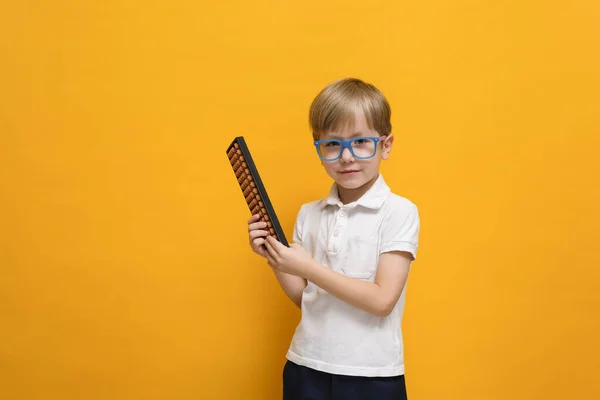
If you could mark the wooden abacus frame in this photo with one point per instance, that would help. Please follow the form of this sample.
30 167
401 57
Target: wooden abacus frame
253 189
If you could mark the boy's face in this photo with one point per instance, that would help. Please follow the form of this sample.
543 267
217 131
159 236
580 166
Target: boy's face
355 176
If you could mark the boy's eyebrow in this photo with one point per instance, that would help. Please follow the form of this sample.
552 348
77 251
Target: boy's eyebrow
337 136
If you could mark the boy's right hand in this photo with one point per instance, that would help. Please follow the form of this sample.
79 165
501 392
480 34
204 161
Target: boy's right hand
257 235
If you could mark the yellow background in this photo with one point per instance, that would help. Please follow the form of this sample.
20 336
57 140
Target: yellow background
124 266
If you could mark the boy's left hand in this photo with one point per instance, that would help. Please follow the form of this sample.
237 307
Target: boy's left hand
293 260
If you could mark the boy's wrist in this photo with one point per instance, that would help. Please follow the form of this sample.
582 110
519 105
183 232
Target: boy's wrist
310 270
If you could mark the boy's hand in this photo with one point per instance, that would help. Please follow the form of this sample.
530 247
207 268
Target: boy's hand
293 260
257 235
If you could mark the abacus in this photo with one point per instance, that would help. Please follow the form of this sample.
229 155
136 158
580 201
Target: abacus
253 188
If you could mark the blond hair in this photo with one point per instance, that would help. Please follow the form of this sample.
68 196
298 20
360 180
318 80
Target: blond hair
337 104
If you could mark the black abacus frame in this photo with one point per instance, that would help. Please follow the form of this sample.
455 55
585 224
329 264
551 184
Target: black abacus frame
262 191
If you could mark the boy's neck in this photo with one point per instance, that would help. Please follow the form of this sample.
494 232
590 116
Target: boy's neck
348 196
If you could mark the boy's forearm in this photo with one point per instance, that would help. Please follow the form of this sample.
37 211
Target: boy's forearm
293 286
365 295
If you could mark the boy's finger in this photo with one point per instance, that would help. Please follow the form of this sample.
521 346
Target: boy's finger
253 218
271 254
257 225
275 244
270 249
262 251
270 260
258 233
259 246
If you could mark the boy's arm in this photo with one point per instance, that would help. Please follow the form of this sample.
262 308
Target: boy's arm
399 242
378 297
292 285
398 250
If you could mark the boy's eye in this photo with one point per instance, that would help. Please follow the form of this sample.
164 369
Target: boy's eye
332 144
360 141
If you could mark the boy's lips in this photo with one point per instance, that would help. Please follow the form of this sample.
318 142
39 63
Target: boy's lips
349 171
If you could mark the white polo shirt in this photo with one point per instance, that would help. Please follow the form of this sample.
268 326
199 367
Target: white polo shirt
332 335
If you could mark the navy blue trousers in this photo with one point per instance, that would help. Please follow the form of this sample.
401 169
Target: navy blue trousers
301 383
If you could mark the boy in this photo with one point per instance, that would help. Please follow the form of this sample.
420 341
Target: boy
350 257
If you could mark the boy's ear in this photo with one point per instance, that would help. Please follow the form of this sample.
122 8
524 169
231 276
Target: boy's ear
387 146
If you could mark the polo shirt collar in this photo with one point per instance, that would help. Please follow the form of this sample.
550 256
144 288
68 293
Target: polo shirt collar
373 198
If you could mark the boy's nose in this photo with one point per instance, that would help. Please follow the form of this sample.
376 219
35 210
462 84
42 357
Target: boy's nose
347 155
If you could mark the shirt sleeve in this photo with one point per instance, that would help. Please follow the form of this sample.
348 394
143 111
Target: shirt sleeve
400 231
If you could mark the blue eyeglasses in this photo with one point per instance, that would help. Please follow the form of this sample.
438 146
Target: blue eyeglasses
362 148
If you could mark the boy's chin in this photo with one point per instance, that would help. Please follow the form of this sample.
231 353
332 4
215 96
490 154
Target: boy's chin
351 183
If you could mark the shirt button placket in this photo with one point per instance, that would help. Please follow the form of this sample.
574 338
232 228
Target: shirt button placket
339 225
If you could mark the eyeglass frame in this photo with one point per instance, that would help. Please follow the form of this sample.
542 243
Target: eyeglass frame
348 144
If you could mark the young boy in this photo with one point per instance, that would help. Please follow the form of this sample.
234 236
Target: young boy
350 257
